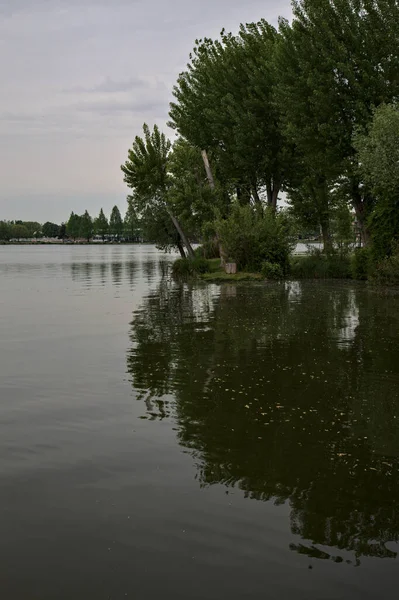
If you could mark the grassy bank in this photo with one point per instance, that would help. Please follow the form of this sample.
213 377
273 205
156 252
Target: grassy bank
357 266
216 274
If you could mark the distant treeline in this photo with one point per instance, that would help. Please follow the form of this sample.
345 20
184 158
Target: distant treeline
77 227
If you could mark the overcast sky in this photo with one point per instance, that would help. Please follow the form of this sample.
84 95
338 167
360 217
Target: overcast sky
79 78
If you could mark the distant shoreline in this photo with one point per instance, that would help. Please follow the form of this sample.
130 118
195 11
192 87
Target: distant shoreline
61 243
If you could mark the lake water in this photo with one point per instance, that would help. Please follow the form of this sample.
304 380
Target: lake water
190 441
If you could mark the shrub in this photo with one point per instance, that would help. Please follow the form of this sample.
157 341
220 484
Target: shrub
386 272
272 271
250 238
186 267
320 266
360 263
208 249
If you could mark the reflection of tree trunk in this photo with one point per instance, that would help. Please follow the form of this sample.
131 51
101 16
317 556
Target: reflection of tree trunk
181 249
182 235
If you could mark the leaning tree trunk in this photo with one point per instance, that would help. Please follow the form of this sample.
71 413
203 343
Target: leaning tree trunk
211 182
181 249
183 236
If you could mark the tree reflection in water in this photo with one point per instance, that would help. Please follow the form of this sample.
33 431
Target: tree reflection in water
287 391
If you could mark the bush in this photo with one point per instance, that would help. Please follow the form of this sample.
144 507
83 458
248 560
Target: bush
250 238
187 267
272 271
317 265
360 263
208 249
386 272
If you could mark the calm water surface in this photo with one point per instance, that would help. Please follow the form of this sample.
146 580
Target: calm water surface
193 442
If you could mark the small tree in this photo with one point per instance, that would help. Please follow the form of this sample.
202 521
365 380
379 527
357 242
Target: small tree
62 233
86 226
73 226
116 223
101 226
50 230
146 173
5 230
19 232
131 223
251 239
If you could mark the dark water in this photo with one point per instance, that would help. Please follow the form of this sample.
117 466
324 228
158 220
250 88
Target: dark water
189 441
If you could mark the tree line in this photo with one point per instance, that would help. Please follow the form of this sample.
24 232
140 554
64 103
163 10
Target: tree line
308 108
77 227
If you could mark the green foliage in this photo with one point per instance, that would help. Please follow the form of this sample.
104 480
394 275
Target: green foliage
208 249
33 227
386 271
101 226
5 230
73 226
19 232
342 230
335 62
50 230
361 263
86 226
186 267
147 173
272 271
378 156
189 195
317 265
131 223
116 223
250 238
224 103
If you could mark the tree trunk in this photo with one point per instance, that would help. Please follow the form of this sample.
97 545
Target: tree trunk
359 204
273 190
269 193
181 249
208 169
212 186
275 193
243 195
256 195
325 232
182 235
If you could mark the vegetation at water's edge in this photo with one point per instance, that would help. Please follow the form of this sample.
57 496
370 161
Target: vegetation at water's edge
309 109
313 265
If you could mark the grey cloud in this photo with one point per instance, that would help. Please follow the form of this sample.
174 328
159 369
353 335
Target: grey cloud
110 86
11 7
116 108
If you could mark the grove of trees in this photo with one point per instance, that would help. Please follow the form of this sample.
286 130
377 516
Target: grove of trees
308 108
78 227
